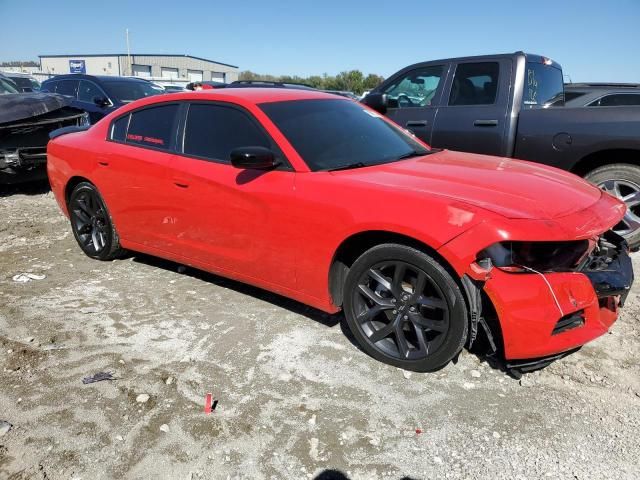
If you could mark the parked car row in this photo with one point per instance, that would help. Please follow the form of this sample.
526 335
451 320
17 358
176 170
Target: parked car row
100 95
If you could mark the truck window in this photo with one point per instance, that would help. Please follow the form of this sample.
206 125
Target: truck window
475 84
416 88
617 100
543 86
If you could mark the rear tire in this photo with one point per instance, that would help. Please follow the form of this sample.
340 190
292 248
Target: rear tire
91 223
622 180
404 308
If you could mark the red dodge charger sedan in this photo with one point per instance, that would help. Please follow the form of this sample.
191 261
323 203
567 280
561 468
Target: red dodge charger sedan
321 199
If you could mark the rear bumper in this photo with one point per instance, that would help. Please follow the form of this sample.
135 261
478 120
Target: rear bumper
540 319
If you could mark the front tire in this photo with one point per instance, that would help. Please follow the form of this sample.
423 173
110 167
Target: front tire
404 308
622 180
91 223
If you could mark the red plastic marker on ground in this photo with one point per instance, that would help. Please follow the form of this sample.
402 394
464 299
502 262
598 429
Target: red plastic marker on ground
207 403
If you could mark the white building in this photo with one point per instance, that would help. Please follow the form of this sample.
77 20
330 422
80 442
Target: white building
179 68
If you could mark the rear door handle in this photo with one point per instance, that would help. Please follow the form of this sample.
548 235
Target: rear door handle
416 123
486 123
103 162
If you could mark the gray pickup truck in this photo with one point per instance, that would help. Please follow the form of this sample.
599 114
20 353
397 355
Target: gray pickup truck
501 105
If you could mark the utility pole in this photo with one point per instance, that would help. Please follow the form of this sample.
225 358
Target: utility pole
129 54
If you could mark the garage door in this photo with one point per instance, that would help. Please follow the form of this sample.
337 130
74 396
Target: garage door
169 72
217 76
141 70
194 75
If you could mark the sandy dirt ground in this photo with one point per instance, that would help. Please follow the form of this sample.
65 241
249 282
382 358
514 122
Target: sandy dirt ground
296 399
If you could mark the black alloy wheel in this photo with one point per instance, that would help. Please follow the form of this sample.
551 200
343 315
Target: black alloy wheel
91 223
404 308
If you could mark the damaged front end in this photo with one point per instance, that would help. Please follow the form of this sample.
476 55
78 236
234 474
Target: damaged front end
536 316
25 123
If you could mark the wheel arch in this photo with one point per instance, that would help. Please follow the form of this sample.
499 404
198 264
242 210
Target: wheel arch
604 157
72 183
356 244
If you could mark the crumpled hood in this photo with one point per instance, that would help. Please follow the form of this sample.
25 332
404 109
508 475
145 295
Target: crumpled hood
512 188
20 106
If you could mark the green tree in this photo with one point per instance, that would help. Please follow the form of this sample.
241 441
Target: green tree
350 81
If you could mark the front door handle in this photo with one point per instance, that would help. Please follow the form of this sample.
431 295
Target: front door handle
416 123
181 184
485 123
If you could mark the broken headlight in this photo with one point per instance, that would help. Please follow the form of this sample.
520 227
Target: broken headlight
536 256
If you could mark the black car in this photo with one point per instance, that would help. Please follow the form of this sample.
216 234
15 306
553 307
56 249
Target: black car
498 105
26 119
100 95
601 94
23 82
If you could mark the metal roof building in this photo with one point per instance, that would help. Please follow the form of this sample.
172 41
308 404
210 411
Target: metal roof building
182 68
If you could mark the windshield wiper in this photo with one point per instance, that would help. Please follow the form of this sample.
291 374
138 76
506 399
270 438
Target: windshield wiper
348 166
413 154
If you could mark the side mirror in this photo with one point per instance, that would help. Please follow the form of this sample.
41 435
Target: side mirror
257 158
377 101
101 101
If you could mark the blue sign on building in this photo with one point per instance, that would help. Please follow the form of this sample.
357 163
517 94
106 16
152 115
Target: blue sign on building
77 66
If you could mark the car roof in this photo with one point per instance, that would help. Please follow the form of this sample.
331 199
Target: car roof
601 86
531 57
79 76
16 74
252 95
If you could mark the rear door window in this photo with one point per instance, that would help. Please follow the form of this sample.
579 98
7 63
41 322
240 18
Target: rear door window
67 87
618 100
475 84
50 86
213 131
153 127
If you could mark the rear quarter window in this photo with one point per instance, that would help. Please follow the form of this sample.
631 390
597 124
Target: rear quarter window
119 129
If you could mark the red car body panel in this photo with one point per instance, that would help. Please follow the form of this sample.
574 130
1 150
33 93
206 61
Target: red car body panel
280 230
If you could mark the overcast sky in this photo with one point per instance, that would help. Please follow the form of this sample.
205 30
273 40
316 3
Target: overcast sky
592 40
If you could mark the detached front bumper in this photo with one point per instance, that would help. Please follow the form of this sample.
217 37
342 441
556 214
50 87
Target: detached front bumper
22 165
543 315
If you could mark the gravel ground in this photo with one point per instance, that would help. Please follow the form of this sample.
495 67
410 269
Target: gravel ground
296 399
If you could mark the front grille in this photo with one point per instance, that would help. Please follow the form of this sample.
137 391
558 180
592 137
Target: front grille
609 267
573 320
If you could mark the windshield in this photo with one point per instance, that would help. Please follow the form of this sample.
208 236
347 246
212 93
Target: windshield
7 87
128 91
334 134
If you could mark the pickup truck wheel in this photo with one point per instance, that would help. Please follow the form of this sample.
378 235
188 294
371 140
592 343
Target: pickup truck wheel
91 223
622 181
404 308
